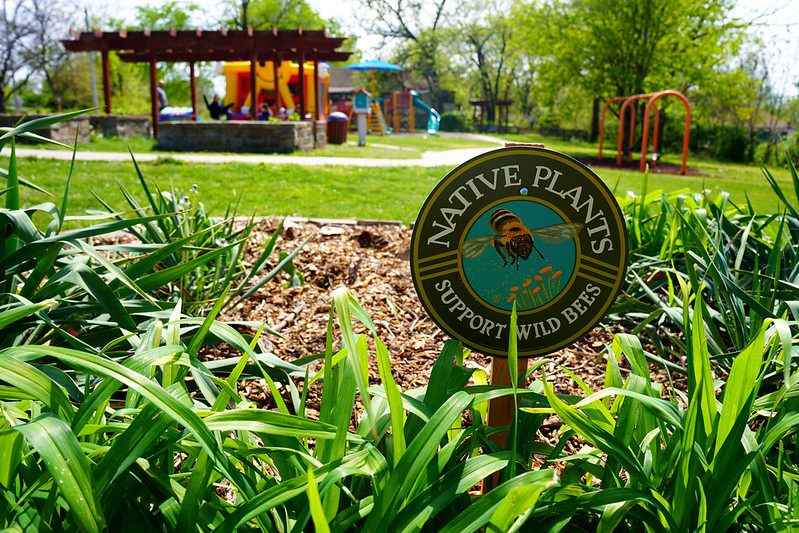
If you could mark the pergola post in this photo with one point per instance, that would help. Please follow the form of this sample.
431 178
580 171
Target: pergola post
154 111
193 85
253 102
276 70
302 85
106 82
317 96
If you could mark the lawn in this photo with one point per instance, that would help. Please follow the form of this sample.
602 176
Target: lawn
394 193
389 146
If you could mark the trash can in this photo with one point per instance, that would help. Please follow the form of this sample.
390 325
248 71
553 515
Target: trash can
337 128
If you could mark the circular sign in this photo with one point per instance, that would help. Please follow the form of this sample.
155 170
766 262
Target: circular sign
521 226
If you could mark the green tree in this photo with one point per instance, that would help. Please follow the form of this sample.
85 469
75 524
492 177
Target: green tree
166 15
612 48
419 31
29 33
485 37
280 14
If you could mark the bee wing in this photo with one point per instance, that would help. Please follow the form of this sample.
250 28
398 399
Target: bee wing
474 247
558 233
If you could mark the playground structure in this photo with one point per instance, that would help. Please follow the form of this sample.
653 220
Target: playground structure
401 110
651 99
284 94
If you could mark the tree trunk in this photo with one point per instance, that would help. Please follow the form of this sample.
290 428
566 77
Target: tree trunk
595 120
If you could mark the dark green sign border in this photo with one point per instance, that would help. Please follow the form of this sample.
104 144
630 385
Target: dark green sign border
437 270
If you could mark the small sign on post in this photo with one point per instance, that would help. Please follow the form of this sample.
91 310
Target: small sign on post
523 226
362 106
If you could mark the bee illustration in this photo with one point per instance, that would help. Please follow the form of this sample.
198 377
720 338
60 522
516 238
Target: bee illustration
515 239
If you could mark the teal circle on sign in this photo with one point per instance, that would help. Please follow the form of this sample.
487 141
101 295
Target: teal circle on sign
529 283
519 227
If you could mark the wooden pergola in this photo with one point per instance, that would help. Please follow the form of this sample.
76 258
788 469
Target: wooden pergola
191 46
501 106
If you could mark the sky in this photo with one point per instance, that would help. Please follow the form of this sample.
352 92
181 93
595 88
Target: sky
777 21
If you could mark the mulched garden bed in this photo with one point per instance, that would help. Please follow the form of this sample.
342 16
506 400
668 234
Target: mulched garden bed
371 260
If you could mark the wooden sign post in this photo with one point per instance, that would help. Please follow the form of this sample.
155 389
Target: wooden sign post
518 226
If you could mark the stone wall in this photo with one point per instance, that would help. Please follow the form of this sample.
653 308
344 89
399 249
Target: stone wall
243 136
320 133
125 126
63 131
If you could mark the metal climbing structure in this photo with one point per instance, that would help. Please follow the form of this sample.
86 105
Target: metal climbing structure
651 99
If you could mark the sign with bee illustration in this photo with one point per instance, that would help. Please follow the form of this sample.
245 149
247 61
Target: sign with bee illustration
521 227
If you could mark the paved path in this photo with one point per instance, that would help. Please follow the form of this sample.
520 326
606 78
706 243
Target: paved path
444 158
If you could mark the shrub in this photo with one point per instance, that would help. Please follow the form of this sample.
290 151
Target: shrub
732 144
455 121
779 153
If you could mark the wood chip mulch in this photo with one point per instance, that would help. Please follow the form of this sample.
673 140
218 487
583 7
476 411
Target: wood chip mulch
371 260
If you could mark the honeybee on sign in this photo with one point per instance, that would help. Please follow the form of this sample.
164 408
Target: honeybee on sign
515 239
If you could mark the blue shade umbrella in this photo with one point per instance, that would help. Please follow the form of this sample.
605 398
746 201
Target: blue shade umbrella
374 65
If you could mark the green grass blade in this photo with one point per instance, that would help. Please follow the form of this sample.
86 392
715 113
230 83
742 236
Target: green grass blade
518 502
479 513
513 369
315 502
699 366
83 276
599 436
162 277
39 123
183 414
146 429
11 443
442 492
194 496
12 196
118 274
17 313
33 381
341 300
394 397
741 387
270 422
420 452
275 271
65 198
69 467
281 493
